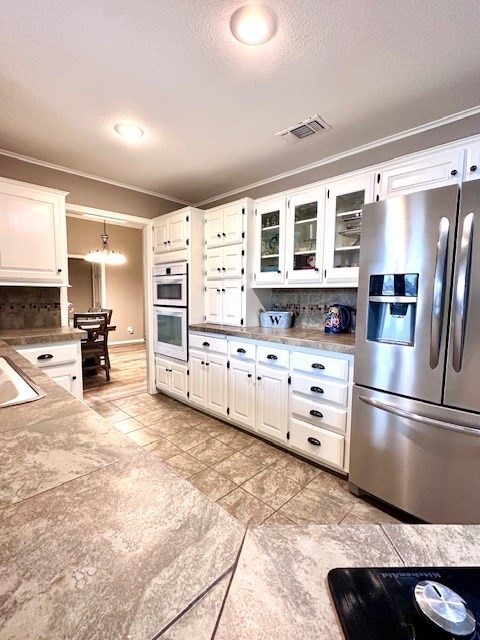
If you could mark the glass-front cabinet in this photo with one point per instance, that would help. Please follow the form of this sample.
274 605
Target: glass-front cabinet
343 229
304 241
270 242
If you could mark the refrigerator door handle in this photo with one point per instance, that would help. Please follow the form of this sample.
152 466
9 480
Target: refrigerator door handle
439 292
417 417
461 291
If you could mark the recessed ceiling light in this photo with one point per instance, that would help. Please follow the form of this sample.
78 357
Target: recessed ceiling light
253 24
128 130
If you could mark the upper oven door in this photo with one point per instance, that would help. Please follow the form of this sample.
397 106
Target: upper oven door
170 290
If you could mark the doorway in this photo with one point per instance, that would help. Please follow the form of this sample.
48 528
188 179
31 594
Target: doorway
85 282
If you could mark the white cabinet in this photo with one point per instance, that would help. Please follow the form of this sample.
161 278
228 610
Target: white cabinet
270 242
304 237
472 162
320 406
225 225
224 262
170 232
223 300
60 361
241 392
425 171
33 236
171 377
208 373
343 227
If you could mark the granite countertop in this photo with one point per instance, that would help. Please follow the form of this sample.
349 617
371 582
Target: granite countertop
311 338
22 337
99 539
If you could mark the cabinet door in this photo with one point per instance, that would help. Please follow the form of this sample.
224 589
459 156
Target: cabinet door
178 380
233 217
241 393
429 171
162 375
214 301
216 383
160 235
232 262
198 379
214 228
304 238
270 242
271 402
232 302
472 166
177 231
32 237
214 263
343 227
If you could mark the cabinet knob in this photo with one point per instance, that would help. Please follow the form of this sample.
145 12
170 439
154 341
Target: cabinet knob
206 364
259 377
223 269
223 290
218 235
240 350
45 356
218 290
453 172
201 362
74 377
164 242
279 271
314 441
316 389
271 356
317 269
317 365
316 414
59 271
224 235
249 375
205 344
218 269
473 167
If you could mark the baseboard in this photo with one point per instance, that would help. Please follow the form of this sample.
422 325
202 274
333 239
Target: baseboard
112 343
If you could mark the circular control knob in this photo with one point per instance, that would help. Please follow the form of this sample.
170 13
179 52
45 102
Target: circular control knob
444 608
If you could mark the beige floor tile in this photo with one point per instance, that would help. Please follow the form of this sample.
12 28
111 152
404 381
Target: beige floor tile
163 449
238 467
236 439
143 436
245 507
211 451
278 518
213 427
185 465
150 416
212 484
127 425
263 452
307 507
168 426
295 469
272 487
188 438
109 411
365 513
332 486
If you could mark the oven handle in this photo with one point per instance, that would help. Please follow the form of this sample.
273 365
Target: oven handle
418 417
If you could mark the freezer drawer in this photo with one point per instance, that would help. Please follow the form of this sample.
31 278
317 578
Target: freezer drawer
419 457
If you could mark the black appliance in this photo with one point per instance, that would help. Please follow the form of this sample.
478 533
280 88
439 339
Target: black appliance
403 603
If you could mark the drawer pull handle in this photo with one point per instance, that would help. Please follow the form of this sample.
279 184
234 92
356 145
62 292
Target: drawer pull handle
314 441
317 365
316 389
316 413
271 356
205 344
45 356
240 350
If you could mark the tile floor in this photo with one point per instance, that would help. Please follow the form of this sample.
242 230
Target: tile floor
256 482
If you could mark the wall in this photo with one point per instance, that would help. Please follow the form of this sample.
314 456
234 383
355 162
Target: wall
124 283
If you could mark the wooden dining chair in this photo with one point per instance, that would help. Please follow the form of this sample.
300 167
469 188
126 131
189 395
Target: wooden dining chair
95 346
109 311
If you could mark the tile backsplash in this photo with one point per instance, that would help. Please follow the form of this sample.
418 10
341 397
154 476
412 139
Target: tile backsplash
310 305
29 307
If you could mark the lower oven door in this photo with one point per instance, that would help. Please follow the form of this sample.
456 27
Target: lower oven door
170 327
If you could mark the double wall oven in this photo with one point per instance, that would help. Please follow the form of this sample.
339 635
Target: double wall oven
170 317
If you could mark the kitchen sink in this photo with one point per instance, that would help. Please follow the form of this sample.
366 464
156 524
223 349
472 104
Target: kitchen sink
15 386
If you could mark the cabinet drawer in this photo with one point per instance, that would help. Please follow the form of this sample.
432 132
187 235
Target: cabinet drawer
321 415
319 444
272 356
208 343
318 364
240 349
48 355
320 389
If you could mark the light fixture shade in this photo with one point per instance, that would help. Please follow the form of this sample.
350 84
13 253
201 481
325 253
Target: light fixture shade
253 24
105 255
129 130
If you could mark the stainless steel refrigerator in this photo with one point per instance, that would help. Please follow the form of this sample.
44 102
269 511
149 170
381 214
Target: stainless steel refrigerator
416 405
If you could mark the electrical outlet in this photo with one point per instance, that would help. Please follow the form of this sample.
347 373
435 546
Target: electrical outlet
130 329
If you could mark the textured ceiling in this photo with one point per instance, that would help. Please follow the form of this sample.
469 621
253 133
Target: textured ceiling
210 106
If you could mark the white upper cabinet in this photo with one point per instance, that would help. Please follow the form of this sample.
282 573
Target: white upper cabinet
170 232
224 226
472 164
304 237
343 227
270 242
426 171
33 236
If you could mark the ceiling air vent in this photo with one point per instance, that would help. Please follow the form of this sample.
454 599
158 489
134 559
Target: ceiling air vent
303 130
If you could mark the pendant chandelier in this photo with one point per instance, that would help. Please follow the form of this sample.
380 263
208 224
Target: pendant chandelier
105 255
